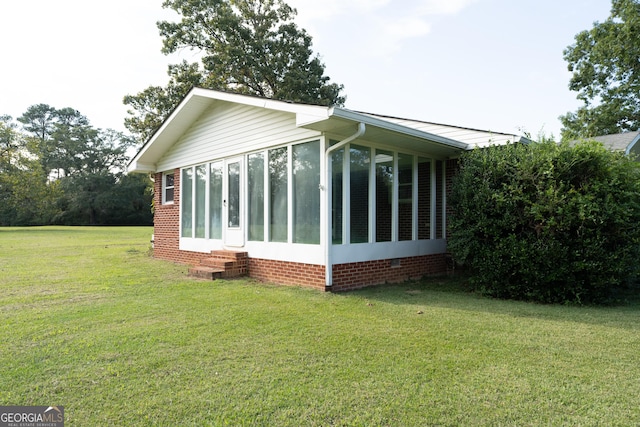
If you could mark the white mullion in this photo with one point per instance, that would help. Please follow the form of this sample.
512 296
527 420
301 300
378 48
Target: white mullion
346 195
207 207
265 197
324 189
290 194
193 201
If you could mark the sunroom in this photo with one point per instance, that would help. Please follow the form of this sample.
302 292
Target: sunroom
318 196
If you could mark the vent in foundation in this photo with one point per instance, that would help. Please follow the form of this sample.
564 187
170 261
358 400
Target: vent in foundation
395 262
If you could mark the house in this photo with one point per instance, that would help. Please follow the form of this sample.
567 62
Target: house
625 141
302 194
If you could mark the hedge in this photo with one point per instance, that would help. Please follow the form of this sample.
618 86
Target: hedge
547 222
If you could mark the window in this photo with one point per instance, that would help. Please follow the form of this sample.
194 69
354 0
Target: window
380 195
256 197
200 198
337 159
278 197
359 193
424 198
187 202
201 201
306 193
384 195
233 177
282 196
215 201
405 197
167 188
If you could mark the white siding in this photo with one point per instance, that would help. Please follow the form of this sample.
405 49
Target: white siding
228 129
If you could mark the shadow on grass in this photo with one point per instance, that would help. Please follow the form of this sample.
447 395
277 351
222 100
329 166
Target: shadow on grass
453 292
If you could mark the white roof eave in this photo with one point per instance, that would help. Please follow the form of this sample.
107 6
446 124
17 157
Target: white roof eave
319 122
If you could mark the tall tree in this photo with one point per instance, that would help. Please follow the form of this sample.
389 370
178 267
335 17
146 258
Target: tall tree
9 143
71 166
151 106
25 196
66 144
94 165
605 62
246 46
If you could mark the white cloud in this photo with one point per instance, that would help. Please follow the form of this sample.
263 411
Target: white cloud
406 27
385 24
443 7
314 10
391 34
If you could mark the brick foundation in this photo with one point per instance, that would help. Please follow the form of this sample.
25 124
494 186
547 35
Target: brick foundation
290 273
362 274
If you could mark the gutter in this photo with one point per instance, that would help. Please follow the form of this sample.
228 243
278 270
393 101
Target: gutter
328 264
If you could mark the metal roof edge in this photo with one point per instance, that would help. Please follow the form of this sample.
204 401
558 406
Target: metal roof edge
374 121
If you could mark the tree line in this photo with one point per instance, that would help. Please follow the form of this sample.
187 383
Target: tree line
55 168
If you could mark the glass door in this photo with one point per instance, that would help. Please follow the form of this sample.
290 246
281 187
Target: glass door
233 203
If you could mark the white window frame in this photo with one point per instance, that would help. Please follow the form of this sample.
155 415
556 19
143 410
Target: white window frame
166 187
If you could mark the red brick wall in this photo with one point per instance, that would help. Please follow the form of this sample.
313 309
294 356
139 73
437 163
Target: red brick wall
347 276
361 274
291 273
166 225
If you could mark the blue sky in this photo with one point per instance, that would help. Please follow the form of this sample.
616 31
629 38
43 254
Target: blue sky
487 64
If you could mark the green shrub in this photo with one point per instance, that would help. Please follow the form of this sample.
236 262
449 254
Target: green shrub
546 222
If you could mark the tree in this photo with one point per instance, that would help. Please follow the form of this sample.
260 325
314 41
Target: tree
93 161
605 62
66 144
134 196
246 46
9 143
151 106
25 197
547 222
65 171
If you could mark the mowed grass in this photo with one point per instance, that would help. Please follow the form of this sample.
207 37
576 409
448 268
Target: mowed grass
89 321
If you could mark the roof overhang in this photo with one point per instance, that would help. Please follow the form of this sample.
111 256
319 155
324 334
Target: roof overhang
339 122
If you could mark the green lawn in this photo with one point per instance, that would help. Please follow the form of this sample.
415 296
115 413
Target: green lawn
90 322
